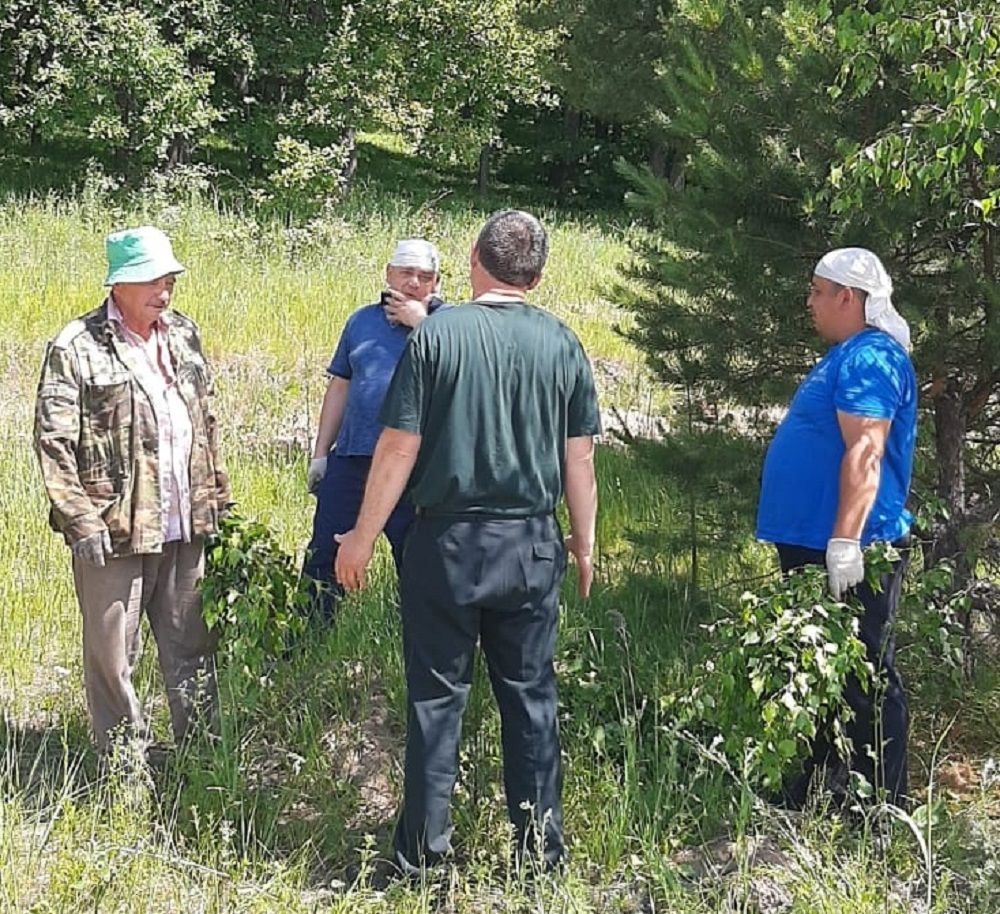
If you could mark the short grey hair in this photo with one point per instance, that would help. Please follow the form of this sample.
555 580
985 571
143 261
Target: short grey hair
513 247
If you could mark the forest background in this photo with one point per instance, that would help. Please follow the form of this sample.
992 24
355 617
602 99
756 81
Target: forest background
692 160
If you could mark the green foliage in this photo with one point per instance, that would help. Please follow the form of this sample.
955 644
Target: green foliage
775 672
305 176
270 816
259 88
715 469
930 629
924 179
803 130
571 152
721 279
606 69
105 76
604 48
252 594
944 65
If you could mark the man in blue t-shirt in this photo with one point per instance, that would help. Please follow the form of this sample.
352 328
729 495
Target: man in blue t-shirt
836 479
370 346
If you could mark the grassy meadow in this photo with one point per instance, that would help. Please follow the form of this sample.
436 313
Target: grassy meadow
291 809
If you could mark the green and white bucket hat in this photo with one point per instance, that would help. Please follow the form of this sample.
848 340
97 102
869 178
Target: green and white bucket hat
139 255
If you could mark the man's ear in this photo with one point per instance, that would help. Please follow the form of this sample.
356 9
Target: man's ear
534 283
854 298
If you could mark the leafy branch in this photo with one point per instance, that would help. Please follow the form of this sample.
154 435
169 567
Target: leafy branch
776 673
252 594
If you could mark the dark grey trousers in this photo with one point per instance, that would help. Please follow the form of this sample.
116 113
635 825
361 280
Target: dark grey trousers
493 581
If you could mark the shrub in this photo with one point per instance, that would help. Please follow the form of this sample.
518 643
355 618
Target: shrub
776 674
252 594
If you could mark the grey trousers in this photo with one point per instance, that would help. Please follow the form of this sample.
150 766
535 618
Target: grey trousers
112 600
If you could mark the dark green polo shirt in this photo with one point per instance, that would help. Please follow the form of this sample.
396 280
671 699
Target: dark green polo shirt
494 390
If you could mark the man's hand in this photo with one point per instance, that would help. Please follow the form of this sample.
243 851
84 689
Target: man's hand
406 311
317 470
583 554
93 549
353 557
845 565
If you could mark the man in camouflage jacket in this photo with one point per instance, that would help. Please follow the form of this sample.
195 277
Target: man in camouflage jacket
127 442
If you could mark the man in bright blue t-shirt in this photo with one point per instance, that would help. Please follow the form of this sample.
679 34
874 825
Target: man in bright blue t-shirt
370 345
836 479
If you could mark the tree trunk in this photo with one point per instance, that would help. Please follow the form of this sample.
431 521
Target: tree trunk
949 443
125 158
571 124
178 152
351 165
658 159
692 499
242 82
678 175
483 178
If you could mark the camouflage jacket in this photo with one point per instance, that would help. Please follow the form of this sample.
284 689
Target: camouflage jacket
96 435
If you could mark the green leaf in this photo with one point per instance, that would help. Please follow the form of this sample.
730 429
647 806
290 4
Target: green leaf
787 748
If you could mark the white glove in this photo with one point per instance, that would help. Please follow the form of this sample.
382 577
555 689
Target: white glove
317 470
845 565
93 549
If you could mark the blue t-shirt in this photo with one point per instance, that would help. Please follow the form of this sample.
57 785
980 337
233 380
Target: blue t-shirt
869 375
366 355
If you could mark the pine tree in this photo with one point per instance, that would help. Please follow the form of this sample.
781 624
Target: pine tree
804 131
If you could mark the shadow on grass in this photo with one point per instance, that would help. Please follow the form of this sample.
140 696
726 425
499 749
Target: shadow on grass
62 169
627 660
450 188
40 763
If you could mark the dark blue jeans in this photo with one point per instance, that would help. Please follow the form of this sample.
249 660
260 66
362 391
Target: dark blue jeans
881 716
496 583
338 502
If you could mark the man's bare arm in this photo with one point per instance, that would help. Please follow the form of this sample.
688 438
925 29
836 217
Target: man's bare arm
581 500
393 460
860 471
331 415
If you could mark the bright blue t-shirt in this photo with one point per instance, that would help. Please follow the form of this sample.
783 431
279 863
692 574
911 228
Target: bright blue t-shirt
369 348
869 375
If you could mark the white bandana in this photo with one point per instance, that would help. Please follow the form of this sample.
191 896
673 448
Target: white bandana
415 252
859 268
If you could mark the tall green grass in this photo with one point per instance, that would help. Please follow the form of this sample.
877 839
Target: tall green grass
281 292
288 809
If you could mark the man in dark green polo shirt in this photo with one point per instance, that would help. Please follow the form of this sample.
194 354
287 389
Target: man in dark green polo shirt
492 409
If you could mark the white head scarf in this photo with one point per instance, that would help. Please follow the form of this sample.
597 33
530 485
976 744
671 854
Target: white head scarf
859 268
420 254
415 252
